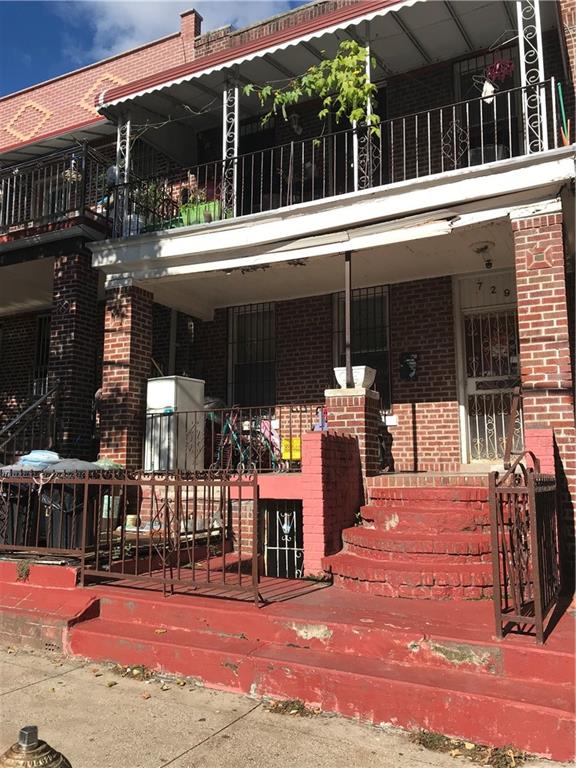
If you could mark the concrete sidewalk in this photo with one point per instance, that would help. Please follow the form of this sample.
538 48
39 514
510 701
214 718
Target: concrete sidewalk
99 719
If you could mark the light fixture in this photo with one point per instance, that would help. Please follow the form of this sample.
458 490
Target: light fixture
484 249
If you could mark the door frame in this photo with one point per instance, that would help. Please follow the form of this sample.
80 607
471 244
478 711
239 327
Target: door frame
460 350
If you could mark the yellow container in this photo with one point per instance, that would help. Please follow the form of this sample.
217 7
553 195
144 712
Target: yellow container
291 448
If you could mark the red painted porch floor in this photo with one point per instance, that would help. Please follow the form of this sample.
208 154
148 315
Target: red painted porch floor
411 663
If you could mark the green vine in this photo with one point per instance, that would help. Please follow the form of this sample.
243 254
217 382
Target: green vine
341 84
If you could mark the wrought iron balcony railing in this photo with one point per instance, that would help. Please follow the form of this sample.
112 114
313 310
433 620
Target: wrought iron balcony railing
473 132
54 190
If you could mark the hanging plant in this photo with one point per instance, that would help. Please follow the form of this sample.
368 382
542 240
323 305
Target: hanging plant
341 84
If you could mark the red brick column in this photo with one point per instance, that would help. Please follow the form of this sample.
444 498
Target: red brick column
72 358
331 494
357 412
546 371
125 370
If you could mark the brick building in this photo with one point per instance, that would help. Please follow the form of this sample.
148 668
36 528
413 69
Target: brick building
151 224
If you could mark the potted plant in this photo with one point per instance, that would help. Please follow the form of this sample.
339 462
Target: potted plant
196 207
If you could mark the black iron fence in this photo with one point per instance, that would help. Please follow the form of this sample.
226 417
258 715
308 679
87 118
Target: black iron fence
54 188
174 530
525 553
485 129
261 439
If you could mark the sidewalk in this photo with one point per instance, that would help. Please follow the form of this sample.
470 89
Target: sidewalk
100 719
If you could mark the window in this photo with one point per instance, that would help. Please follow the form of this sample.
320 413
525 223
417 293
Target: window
370 343
252 355
41 355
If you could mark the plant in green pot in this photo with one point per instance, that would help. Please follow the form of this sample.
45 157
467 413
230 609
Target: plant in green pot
198 208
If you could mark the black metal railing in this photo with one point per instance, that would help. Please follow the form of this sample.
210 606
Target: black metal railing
34 428
472 132
262 439
54 189
525 553
175 531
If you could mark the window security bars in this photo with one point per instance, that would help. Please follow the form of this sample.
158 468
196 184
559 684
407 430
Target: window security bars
283 538
370 334
252 354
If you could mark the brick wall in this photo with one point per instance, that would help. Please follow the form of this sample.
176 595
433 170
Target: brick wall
211 355
331 493
17 345
126 367
303 349
73 352
545 355
421 321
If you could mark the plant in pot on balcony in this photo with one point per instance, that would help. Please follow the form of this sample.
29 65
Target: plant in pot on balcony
196 207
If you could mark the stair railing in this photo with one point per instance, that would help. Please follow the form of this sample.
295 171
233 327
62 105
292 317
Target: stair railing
34 428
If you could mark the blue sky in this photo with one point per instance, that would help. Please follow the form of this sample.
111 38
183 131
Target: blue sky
40 40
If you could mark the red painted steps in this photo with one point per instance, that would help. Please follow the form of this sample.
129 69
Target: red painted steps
450 547
418 542
475 702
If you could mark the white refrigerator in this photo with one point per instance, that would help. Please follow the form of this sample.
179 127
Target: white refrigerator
175 422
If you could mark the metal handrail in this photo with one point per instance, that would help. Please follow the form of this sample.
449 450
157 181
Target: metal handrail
28 410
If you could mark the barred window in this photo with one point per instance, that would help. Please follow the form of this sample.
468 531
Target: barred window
370 334
252 354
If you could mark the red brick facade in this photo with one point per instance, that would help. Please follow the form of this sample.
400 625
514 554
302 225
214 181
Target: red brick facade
126 367
545 353
72 360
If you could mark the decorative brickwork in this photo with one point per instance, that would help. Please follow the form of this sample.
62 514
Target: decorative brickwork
126 367
72 359
546 368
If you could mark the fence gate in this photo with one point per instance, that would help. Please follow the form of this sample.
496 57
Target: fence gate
283 538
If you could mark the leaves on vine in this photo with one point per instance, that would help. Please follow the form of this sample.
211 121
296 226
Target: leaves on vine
341 83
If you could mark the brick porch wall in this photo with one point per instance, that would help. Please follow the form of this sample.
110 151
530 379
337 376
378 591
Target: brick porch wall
126 366
17 346
545 355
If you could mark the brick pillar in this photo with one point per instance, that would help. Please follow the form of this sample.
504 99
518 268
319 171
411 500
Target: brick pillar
357 412
125 370
190 29
72 358
546 371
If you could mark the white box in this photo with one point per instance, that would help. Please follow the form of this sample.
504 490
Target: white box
175 422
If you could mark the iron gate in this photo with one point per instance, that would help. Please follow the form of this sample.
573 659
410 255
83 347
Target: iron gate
283 538
492 373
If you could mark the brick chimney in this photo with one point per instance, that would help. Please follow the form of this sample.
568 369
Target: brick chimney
190 28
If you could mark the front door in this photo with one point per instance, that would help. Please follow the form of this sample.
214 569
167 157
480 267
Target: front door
491 361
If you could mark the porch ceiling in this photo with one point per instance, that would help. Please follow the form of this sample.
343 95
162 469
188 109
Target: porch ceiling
456 253
403 36
26 287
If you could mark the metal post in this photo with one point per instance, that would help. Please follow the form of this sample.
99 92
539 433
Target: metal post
230 107
123 173
532 73
348 317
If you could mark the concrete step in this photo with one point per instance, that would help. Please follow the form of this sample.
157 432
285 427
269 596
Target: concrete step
410 519
392 545
537 717
407 631
429 580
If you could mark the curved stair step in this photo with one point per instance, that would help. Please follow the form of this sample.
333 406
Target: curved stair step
392 545
409 520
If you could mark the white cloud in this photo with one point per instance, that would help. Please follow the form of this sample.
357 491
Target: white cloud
114 26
